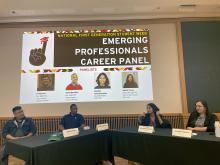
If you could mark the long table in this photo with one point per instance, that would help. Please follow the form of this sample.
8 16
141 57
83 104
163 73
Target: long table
91 146
86 148
161 148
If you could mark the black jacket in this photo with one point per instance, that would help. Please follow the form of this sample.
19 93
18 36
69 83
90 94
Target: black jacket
209 121
146 121
10 127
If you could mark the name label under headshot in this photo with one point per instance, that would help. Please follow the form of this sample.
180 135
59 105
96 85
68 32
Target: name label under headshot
70 132
102 127
182 133
146 129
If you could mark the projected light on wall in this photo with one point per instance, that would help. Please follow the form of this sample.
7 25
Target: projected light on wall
86 66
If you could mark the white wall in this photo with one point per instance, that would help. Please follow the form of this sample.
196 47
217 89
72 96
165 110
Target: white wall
165 74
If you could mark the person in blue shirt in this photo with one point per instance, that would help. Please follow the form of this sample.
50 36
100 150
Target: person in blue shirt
72 120
19 127
153 118
16 128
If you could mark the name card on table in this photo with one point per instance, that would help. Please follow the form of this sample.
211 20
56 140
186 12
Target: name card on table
182 133
217 129
102 127
70 132
145 129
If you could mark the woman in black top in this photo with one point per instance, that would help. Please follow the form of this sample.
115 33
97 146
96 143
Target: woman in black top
153 118
201 119
102 81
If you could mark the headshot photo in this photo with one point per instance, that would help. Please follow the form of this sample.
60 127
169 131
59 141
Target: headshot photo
45 82
130 80
102 81
74 85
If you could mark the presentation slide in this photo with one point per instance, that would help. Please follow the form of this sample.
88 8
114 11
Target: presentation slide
86 66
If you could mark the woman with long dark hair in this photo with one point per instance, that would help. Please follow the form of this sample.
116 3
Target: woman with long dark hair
130 82
201 119
153 118
103 81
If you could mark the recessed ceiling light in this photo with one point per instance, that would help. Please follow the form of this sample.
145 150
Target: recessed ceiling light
187 5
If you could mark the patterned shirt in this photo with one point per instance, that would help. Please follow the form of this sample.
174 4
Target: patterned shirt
200 121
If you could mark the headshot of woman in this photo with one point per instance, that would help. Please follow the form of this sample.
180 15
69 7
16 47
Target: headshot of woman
201 119
153 118
103 81
130 82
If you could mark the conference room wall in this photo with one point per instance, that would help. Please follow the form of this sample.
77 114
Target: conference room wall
165 73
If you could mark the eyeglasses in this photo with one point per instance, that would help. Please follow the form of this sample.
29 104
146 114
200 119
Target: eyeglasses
199 106
18 112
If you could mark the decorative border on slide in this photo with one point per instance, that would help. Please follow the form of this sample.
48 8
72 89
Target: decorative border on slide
88 31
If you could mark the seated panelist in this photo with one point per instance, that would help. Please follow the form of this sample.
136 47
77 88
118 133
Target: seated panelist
153 118
17 128
201 119
20 126
72 120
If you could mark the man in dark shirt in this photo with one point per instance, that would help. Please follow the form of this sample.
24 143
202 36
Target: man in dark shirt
19 127
72 120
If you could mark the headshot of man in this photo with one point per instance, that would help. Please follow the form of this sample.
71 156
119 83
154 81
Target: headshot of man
103 81
74 85
130 82
45 82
